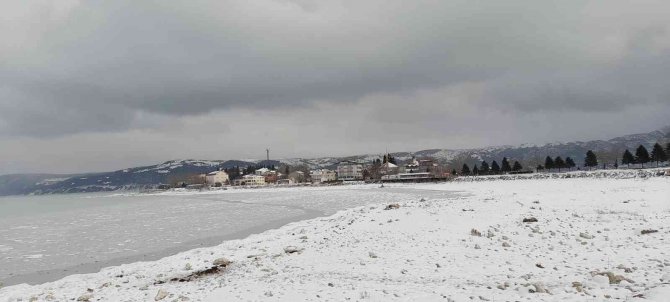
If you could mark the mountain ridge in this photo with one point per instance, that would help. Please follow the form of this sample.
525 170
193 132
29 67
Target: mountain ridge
147 177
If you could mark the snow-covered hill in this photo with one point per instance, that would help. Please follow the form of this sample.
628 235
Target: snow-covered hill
150 176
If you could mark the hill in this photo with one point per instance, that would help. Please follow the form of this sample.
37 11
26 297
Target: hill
149 176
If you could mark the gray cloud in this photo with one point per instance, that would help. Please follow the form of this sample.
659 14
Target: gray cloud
70 69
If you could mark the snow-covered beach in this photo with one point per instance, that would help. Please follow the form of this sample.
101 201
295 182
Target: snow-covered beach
593 240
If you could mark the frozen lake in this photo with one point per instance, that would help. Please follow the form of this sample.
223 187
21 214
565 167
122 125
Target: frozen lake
44 238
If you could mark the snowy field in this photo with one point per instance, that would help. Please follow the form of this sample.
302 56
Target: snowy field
459 241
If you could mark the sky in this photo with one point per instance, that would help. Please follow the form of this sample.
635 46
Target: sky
103 85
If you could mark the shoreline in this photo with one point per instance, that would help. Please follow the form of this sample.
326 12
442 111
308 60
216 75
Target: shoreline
423 249
45 276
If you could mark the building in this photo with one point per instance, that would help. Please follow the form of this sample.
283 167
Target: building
262 171
217 177
388 168
428 165
411 166
420 166
349 171
323 175
407 177
250 180
271 177
284 181
297 177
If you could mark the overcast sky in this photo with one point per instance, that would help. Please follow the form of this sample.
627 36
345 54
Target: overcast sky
104 85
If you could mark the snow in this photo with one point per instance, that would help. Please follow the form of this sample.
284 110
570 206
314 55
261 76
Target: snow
425 250
167 166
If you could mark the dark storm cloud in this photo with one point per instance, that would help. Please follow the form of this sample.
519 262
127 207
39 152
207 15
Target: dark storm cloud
73 68
107 59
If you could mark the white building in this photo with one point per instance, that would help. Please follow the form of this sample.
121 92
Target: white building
262 171
217 177
388 168
323 175
250 180
348 171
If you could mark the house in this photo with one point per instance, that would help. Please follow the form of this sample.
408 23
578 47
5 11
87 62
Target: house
411 167
250 180
349 171
428 165
323 175
262 171
271 177
388 168
297 177
217 177
284 181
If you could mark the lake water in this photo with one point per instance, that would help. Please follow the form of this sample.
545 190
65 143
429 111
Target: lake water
44 238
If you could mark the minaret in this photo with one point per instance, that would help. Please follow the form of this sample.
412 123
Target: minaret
267 152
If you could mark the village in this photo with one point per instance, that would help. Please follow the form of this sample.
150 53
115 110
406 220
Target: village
387 169
379 170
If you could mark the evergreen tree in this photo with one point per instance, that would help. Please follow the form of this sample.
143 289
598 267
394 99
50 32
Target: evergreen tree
495 168
475 170
667 150
591 160
505 165
392 160
641 155
465 170
386 158
548 163
453 172
559 163
517 166
569 162
658 154
539 167
485 168
627 158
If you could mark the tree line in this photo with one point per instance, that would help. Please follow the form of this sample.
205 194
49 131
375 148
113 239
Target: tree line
493 169
558 163
642 156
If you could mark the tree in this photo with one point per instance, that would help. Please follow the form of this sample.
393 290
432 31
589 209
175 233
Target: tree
505 165
475 170
548 163
453 172
392 160
569 162
485 168
559 163
517 166
627 158
641 155
539 167
658 154
495 168
667 149
591 160
465 170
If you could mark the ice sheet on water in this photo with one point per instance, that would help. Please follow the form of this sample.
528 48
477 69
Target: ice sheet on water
111 226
